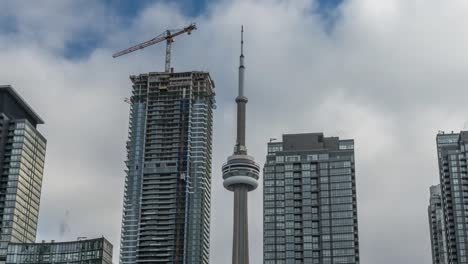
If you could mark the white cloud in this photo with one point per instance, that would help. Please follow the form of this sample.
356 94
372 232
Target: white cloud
389 75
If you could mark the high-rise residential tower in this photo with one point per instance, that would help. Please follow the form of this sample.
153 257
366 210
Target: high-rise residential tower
437 227
309 201
452 152
22 154
166 214
240 174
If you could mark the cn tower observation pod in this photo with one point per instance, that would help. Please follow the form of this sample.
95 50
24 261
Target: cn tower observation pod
240 170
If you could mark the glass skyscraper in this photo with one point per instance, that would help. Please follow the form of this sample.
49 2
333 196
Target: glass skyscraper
452 152
166 215
437 228
309 201
89 251
22 153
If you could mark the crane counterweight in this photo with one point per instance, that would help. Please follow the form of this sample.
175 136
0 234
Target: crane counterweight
168 35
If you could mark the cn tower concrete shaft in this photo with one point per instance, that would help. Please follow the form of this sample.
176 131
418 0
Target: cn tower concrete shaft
240 247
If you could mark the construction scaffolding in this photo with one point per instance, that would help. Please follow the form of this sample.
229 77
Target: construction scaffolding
175 176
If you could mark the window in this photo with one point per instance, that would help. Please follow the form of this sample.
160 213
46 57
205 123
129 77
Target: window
343 145
294 158
323 156
280 159
274 148
269 183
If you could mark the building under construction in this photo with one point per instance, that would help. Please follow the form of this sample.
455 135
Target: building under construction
166 214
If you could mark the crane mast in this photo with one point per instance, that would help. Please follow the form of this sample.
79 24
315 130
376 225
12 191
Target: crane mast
168 36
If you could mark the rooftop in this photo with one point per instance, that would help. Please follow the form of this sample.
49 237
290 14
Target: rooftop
8 93
78 240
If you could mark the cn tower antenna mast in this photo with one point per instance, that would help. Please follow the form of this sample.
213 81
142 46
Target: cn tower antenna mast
241 101
240 174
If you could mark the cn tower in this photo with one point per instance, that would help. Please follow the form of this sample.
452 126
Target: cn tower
240 174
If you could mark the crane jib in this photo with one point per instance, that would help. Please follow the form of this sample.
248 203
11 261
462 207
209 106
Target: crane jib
168 36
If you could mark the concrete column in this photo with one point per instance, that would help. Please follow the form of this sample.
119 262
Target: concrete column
240 246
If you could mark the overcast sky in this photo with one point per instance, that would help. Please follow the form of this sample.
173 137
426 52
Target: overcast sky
387 73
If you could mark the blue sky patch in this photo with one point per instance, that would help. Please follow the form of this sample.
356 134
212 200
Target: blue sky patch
126 11
7 24
329 4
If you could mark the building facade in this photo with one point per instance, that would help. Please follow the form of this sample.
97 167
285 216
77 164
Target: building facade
22 154
452 152
90 251
166 215
309 201
437 227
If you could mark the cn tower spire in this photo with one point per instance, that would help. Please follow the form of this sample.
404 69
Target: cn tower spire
240 174
241 101
241 65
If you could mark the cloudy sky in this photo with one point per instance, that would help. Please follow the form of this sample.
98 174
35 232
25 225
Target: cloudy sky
388 73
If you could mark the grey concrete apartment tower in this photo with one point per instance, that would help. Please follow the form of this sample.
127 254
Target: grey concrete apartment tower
240 174
437 227
22 154
166 214
309 201
452 153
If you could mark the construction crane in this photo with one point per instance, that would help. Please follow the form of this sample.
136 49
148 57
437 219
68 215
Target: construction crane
168 36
